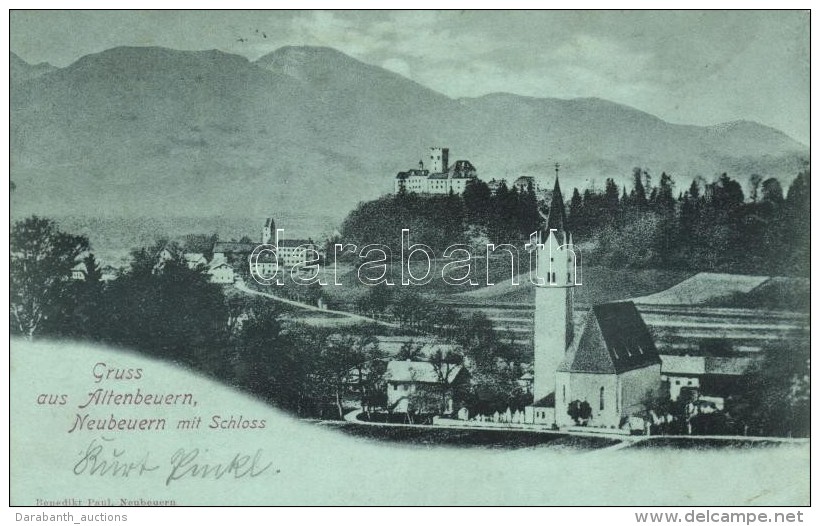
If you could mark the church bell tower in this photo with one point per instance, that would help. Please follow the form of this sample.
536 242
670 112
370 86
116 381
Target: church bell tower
268 231
554 294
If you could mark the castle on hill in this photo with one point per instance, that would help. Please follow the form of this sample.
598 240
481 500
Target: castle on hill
439 177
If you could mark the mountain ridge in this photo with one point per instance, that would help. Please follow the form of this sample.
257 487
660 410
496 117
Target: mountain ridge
182 132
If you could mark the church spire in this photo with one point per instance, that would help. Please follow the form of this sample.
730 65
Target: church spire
557 218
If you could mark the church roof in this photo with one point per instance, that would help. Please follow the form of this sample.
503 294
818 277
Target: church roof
557 217
615 339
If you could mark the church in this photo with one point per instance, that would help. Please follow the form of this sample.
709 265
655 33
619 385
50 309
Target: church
611 363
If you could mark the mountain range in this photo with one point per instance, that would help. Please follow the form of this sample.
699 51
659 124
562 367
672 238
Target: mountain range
148 131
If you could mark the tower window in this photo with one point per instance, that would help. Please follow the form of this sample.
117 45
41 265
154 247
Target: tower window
564 390
602 399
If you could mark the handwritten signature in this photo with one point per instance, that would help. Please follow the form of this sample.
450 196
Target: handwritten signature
107 460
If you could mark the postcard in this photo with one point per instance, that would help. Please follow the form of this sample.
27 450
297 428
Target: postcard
542 258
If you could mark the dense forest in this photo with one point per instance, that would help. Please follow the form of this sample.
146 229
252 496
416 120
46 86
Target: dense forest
708 226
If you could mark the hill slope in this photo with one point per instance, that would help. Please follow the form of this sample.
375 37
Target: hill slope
22 71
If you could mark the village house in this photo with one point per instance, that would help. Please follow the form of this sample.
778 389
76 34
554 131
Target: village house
523 183
494 184
108 273
296 253
195 260
78 271
163 257
221 272
410 383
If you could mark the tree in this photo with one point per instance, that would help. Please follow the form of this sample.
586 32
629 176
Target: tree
477 196
775 398
576 212
42 257
726 193
796 227
612 201
82 314
579 411
772 192
665 199
754 185
445 364
639 189
410 351
369 368
174 313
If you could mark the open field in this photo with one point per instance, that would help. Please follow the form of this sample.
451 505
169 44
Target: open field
489 438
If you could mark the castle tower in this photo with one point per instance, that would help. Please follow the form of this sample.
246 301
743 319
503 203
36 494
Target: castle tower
554 328
439 160
268 231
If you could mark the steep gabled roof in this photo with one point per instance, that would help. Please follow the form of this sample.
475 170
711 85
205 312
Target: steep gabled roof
615 339
557 218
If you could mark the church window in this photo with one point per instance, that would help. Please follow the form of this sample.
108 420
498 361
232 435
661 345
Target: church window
564 390
602 399
553 278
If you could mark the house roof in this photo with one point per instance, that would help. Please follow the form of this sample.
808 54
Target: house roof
231 247
192 257
547 401
412 173
218 264
419 372
615 339
295 242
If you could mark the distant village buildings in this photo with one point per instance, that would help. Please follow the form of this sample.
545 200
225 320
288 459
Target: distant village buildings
440 178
